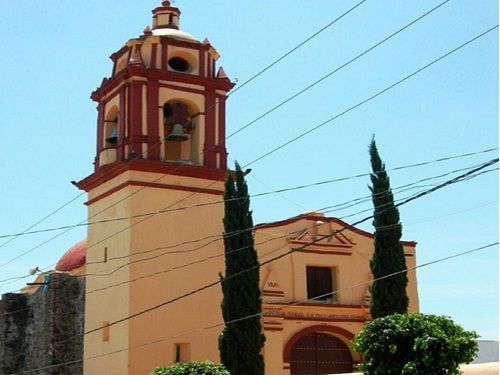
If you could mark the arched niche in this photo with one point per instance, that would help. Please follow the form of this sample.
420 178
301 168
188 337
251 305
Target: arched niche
110 137
111 133
180 117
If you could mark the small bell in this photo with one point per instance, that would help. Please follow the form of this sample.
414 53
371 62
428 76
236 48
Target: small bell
112 138
177 134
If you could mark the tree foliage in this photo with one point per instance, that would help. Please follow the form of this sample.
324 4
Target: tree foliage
388 294
241 341
414 344
191 368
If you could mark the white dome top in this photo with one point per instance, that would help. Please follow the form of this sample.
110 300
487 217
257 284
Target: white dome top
174 33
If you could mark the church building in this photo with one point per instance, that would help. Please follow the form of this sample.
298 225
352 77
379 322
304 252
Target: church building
152 263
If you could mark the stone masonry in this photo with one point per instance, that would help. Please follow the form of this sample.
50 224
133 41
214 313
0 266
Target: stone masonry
43 329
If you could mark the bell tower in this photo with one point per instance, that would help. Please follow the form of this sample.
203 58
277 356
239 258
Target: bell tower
154 201
165 100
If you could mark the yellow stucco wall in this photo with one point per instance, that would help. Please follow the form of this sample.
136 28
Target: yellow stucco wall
110 304
170 254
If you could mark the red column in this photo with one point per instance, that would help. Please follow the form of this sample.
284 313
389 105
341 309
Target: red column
152 97
121 124
209 150
222 133
135 117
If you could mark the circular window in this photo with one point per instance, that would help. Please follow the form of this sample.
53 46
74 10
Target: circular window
178 64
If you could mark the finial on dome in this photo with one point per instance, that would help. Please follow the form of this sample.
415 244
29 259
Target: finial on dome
165 3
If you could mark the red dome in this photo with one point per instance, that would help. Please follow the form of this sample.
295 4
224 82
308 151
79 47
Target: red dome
73 258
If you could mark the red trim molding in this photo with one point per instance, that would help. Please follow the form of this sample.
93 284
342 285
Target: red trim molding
113 170
318 328
272 329
308 251
153 185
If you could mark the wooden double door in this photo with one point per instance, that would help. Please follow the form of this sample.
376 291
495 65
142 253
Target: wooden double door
320 354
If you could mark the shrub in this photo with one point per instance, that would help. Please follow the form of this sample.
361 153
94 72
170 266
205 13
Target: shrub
414 344
191 368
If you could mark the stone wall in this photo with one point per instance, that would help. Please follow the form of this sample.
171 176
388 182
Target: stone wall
43 329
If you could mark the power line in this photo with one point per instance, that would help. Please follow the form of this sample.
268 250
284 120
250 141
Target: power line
331 23
337 116
276 191
275 258
252 78
216 238
436 261
381 92
27 230
247 125
309 131
272 151
319 238
307 88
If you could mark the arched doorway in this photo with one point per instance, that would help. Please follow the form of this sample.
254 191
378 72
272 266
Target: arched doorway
319 353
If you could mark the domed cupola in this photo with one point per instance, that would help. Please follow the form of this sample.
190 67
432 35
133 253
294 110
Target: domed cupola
164 102
166 16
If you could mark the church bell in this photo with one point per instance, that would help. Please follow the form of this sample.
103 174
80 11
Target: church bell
113 136
177 134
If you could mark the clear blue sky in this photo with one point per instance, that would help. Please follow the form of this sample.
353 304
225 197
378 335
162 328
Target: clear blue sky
55 53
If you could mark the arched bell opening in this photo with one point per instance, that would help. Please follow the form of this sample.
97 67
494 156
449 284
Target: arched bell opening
110 137
180 133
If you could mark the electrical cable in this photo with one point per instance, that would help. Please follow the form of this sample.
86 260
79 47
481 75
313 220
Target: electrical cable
297 47
138 156
45 242
276 191
297 303
406 185
27 230
219 237
275 258
370 98
324 123
216 238
328 75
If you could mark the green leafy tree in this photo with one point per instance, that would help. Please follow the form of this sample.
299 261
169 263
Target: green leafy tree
388 294
241 341
191 368
414 344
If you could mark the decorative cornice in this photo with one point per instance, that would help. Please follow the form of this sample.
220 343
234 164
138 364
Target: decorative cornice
113 170
156 186
110 84
315 217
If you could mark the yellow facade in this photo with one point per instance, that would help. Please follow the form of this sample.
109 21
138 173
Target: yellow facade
153 261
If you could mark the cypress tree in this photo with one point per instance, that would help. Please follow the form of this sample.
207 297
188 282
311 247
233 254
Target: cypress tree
241 341
389 294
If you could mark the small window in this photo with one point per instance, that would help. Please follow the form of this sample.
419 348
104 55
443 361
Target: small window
321 284
178 64
105 331
182 352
